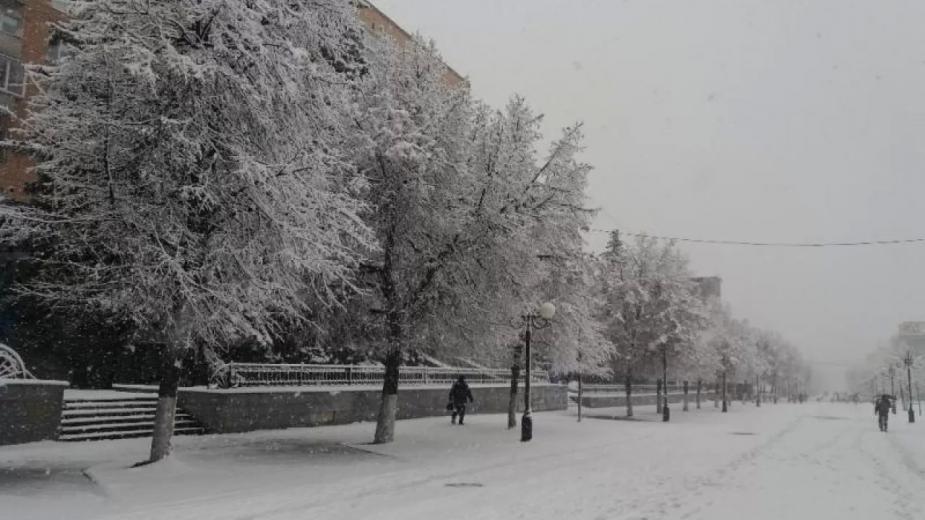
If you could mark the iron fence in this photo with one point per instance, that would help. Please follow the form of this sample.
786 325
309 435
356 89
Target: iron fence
266 374
620 389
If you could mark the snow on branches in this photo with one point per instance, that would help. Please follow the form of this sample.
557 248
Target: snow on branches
190 164
192 176
650 302
472 228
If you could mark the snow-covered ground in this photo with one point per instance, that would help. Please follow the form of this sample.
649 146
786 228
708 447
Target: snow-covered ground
815 461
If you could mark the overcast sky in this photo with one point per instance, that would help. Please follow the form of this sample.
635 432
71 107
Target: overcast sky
738 120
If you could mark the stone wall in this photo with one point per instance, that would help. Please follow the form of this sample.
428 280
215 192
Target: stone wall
241 410
30 410
612 400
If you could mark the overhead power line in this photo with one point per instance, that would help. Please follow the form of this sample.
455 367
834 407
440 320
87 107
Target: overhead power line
768 244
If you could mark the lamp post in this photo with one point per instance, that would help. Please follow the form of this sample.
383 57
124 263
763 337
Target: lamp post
666 413
535 320
908 362
892 371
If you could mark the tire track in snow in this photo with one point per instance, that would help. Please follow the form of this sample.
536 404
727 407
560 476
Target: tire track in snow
691 489
639 494
819 470
282 502
905 505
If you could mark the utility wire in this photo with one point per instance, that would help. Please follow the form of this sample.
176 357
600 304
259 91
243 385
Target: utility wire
767 244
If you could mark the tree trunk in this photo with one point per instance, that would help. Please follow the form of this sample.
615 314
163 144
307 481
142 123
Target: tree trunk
699 384
628 386
388 406
893 389
918 398
685 407
774 388
579 395
725 397
166 410
716 394
512 403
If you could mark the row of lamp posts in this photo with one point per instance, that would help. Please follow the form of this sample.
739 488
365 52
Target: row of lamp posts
907 361
540 318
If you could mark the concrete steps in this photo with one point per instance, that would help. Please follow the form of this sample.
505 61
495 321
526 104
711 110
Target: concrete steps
92 419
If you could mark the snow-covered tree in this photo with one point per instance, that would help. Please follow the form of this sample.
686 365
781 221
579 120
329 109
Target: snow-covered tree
462 210
893 366
767 349
193 179
412 146
576 342
730 349
650 309
536 211
725 336
700 361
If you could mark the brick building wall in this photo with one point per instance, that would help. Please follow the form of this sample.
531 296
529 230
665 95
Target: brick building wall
32 46
377 21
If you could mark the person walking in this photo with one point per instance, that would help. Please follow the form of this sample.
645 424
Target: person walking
882 409
460 394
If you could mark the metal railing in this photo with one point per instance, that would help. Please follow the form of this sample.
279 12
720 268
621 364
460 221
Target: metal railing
673 388
11 365
266 374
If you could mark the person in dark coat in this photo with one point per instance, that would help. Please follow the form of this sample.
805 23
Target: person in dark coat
882 409
459 396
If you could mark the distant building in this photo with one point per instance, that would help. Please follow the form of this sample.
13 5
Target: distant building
912 334
377 21
709 287
25 37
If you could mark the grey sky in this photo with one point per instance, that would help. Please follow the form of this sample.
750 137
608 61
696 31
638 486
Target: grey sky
741 120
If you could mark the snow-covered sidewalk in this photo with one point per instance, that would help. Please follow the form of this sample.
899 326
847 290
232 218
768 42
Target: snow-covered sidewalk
779 461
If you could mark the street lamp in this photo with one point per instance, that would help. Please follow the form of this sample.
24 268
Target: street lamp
666 413
537 319
908 362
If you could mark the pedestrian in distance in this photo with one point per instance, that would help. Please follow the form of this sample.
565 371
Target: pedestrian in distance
882 410
460 394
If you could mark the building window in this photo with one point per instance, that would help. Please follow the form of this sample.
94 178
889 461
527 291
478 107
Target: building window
11 21
12 75
6 122
58 52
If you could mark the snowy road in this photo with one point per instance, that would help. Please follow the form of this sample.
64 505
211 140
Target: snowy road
814 461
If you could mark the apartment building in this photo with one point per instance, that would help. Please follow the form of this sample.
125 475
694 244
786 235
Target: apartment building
25 38
377 21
